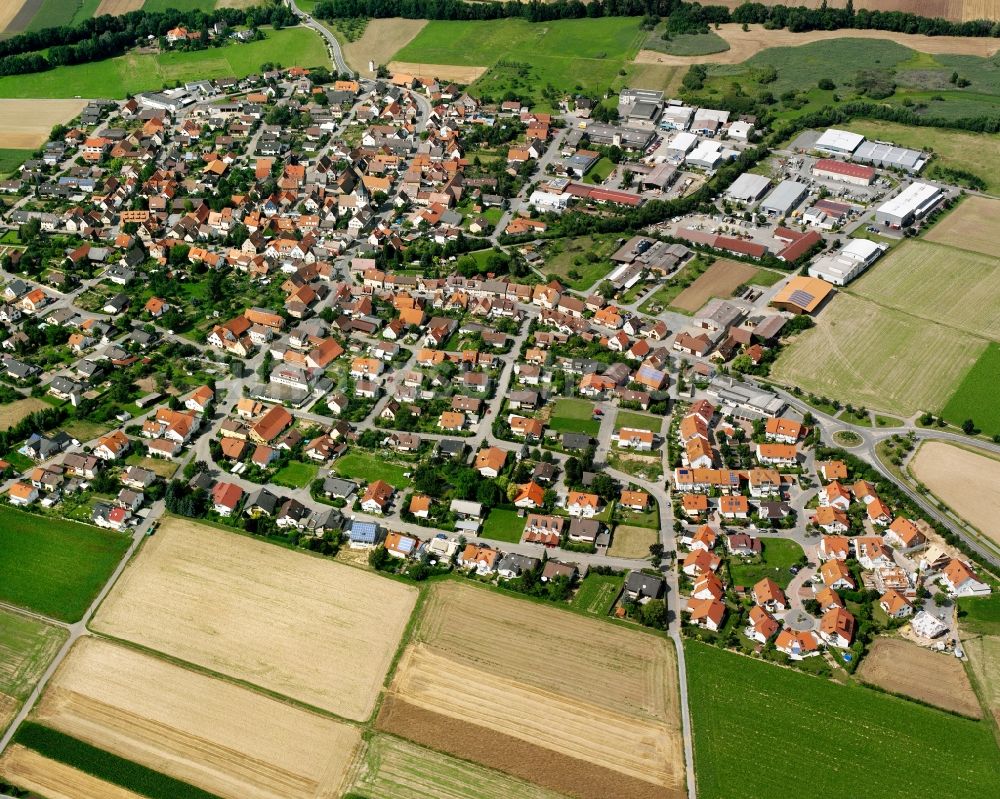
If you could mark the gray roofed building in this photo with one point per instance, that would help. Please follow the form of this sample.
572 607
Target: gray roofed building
261 503
748 188
339 488
514 565
586 530
575 441
451 448
641 587
785 198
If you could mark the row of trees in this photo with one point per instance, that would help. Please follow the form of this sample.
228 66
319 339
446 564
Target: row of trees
535 11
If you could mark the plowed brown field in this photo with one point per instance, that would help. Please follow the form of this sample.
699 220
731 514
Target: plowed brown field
228 740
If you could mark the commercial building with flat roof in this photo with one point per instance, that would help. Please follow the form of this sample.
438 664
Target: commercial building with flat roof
839 142
842 267
857 174
785 198
748 188
912 203
889 156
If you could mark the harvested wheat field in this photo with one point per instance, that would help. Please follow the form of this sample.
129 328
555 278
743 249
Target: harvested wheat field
301 626
228 740
745 44
116 7
902 667
14 412
31 771
965 481
439 71
8 11
719 280
955 10
25 124
984 657
382 39
531 709
971 226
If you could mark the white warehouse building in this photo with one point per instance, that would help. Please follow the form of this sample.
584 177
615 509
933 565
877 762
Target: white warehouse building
913 202
842 267
549 201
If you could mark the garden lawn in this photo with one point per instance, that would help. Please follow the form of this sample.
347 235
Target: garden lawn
980 614
597 593
369 467
503 524
639 421
574 416
778 555
822 726
976 396
54 567
295 474
599 172
133 73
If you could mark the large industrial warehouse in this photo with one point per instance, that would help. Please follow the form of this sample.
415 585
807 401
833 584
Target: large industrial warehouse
914 202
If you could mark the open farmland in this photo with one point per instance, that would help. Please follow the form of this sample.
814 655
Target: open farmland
971 226
975 397
912 276
524 716
381 39
222 738
877 357
14 412
315 631
955 10
984 656
34 772
27 646
52 566
25 124
9 12
122 6
824 726
902 667
718 280
964 480
391 768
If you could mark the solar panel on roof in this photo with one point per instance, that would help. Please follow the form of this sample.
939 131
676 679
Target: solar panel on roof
800 297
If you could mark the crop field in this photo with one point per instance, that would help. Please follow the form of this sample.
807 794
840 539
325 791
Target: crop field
391 768
34 772
639 421
877 357
367 467
597 593
133 73
380 41
523 715
825 725
124 6
14 412
574 416
222 738
978 153
912 276
975 397
963 480
969 226
54 567
25 124
980 615
10 161
525 57
632 542
27 646
718 280
309 629
902 667
984 656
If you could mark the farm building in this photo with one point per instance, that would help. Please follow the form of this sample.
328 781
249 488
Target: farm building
842 267
785 198
839 142
844 172
888 156
802 294
913 202
748 188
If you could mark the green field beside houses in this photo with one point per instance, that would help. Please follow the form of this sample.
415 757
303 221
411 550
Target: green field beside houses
976 396
54 567
132 73
764 731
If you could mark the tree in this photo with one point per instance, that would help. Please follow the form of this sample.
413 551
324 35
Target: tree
378 558
654 614
968 427
826 84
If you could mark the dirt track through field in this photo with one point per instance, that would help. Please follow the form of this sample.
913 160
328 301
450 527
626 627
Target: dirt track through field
117 7
584 779
963 480
382 39
29 770
905 668
228 740
745 44
301 626
25 124
719 280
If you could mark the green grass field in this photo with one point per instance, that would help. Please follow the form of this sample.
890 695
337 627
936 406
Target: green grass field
10 160
778 555
912 276
369 467
800 724
599 172
976 396
53 566
503 524
397 769
574 416
525 57
180 5
597 593
132 73
104 765
56 13
295 474
877 357
27 646
639 421
980 614
685 43
580 262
